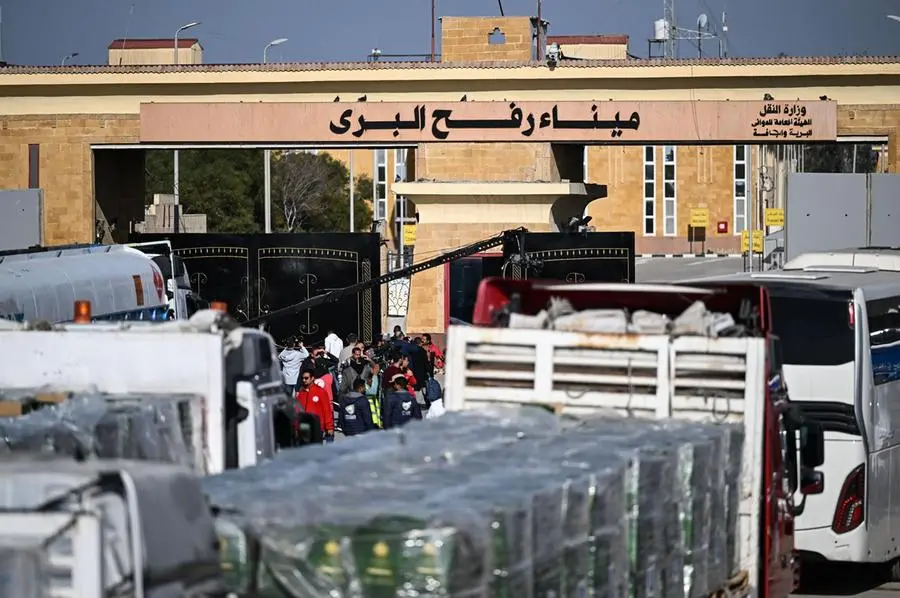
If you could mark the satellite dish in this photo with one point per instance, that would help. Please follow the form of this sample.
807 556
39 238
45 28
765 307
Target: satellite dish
702 22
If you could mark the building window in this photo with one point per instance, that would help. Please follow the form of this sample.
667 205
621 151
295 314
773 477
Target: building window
649 190
670 212
741 168
380 187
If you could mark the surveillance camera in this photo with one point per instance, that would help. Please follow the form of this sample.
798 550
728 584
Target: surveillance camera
553 54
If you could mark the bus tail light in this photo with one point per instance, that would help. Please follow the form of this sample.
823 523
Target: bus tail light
82 312
850 511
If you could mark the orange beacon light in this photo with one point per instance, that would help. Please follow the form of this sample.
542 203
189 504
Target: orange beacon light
83 312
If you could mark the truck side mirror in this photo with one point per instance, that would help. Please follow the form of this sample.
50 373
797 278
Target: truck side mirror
812 445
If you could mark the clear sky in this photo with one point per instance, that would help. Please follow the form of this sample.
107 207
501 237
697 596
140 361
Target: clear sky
44 31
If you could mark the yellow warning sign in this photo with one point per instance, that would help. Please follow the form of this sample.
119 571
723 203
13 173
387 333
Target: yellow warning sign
699 217
757 241
774 217
409 234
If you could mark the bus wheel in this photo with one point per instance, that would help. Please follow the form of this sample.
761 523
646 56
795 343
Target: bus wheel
893 570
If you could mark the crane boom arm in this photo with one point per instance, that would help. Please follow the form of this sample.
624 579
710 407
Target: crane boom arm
338 294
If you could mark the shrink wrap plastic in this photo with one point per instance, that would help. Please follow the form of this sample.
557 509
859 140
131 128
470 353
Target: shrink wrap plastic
509 503
93 425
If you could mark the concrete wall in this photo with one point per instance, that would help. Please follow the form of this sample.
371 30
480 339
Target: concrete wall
66 165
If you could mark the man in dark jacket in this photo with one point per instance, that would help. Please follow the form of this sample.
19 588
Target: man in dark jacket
353 410
400 407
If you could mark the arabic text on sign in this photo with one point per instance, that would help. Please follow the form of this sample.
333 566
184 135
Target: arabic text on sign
774 217
409 234
442 122
782 121
699 217
757 241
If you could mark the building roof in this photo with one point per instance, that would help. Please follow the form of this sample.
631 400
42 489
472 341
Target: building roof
588 39
628 63
151 43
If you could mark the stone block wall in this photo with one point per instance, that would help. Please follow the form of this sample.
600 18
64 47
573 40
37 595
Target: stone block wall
66 165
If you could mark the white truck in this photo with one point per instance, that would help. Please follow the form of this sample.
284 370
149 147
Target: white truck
100 528
602 360
226 379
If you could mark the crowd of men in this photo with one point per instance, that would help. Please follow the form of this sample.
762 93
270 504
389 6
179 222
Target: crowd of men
354 387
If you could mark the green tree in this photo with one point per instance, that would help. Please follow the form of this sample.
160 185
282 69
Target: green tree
228 186
310 193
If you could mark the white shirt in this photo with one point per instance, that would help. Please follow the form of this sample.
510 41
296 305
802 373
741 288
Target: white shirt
334 345
436 409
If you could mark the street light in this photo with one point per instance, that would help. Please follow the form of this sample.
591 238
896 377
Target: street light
67 58
893 17
180 29
176 223
267 154
274 42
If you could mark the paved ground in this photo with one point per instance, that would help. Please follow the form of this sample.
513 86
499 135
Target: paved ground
673 269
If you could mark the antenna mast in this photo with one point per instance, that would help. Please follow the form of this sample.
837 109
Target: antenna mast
670 48
1 34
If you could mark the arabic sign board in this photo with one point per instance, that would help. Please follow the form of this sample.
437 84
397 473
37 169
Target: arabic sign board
700 217
757 241
410 123
774 217
409 234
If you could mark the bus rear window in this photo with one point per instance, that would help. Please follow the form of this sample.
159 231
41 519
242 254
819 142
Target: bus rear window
813 330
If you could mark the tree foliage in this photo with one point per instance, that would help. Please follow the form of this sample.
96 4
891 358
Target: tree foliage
228 186
311 193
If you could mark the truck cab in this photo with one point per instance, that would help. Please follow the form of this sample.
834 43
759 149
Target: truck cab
224 379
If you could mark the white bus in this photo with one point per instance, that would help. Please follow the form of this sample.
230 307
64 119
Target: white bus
838 317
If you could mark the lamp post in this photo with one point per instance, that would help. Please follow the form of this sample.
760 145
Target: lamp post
176 223
274 42
67 58
893 18
267 153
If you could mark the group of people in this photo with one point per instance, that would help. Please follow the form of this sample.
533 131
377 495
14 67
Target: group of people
355 387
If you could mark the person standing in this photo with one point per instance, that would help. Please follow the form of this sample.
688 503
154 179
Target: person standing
373 393
354 414
313 399
291 358
357 367
400 407
347 352
334 345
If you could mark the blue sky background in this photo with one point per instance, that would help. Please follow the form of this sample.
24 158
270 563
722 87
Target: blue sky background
44 31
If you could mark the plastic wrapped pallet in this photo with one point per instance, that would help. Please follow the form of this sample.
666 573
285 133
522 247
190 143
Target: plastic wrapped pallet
649 490
24 571
102 426
735 440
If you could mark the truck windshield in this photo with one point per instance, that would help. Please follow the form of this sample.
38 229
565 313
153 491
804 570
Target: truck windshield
814 328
